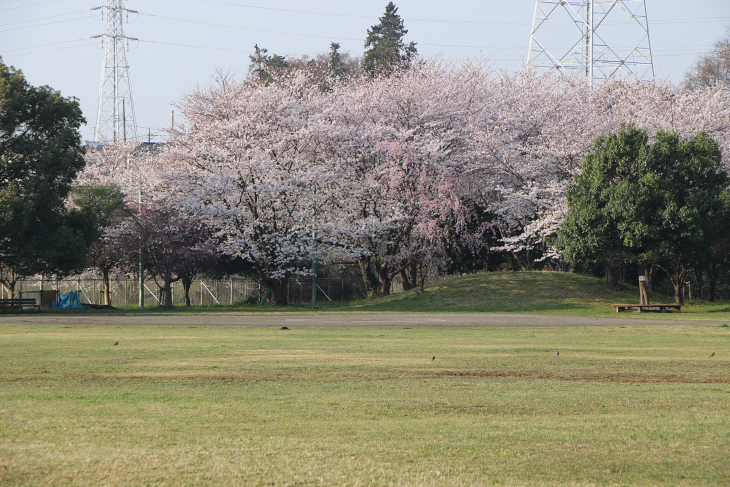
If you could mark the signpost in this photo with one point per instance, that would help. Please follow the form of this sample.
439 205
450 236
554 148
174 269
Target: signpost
643 295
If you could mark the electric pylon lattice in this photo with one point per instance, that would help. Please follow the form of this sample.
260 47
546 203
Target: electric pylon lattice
600 38
115 119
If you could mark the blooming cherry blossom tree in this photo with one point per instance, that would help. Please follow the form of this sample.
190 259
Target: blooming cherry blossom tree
402 145
172 245
250 163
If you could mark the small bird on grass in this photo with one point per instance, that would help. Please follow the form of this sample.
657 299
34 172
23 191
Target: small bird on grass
712 354
116 343
284 327
433 358
557 352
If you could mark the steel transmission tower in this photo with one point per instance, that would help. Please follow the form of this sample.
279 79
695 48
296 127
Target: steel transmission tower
600 38
115 119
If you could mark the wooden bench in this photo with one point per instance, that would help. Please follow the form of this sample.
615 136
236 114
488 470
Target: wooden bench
647 308
18 303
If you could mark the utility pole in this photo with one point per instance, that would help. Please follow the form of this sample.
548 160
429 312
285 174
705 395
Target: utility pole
140 274
314 256
613 38
115 90
314 272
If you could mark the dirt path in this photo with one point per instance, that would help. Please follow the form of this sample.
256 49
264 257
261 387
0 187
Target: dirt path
349 320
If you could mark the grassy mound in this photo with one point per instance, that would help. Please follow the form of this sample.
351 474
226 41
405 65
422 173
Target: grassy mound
510 292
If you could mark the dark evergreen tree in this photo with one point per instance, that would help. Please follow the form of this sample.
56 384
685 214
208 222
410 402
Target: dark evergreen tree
336 66
266 66
385 48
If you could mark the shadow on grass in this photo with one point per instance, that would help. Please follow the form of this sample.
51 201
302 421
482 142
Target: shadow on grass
725 309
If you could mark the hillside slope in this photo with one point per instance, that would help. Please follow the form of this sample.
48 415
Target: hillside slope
509 292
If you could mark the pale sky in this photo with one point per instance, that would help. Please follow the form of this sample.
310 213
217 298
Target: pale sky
182 42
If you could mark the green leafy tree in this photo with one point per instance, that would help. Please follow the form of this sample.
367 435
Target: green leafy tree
385 48
650 204
99 205
99 208
694 205
588 234
40 155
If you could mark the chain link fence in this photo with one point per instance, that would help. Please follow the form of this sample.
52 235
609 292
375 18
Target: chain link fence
232 291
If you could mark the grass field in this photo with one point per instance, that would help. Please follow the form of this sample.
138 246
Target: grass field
364 406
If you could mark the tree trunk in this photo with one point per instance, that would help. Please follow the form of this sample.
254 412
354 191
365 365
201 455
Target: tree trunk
420 276
677 292
9 281
677 279
384 280
167 290
524 264
650 277
107 290
278 288
409 275
9 287
547 262
407 283
368 276
187 282
698 274
712 275
612 273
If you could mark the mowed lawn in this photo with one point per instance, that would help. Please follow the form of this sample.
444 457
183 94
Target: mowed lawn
619 405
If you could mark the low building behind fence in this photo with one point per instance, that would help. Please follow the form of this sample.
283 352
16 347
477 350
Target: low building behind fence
234 291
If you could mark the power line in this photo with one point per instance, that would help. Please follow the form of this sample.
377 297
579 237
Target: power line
32 5
44 45
316 36
692 21
44 18
45 50
213 24
369 17
190 46
47 23
669 50
448 21
10 1
237 27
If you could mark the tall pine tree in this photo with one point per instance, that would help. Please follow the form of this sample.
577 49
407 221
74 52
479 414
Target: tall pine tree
336 67
385 48
266 67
